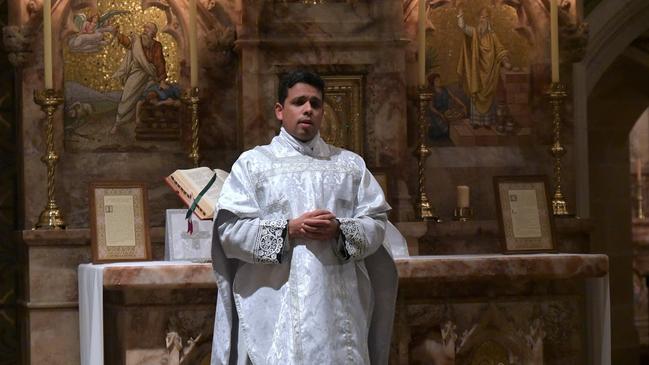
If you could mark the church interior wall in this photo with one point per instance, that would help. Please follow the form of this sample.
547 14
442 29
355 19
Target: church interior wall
616 103
606 77
248 44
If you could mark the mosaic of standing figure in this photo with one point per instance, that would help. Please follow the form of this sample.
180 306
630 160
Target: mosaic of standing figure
488 67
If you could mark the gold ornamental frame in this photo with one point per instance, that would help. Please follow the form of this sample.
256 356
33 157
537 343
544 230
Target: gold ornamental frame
119 221
525 214
343 124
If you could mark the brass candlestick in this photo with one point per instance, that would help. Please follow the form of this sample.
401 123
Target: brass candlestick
557 95
49 100
463 214
425 210
191 99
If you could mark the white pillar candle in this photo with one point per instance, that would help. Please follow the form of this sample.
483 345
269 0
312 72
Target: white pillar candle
554 39
47 43
421 43
193 47
462 196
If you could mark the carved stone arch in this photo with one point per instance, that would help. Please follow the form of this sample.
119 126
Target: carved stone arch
613 26
610 35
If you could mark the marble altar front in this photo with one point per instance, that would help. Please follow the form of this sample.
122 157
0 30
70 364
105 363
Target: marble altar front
450 306
133 292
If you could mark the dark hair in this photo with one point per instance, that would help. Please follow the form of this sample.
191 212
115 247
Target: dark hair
290 79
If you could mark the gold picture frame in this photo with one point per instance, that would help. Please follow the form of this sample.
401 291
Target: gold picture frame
524 214
343 124
119 221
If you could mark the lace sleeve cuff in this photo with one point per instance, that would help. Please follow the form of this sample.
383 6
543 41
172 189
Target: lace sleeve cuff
352 242
270 244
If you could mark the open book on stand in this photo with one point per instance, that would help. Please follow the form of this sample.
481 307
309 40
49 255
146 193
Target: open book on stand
189 183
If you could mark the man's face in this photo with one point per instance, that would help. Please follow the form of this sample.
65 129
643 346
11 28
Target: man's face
484 18
302 112
148 31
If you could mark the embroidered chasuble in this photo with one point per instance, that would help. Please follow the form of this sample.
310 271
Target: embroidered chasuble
303 302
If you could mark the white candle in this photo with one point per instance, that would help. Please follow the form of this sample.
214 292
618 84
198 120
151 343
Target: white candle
462 196
554 39
193 49
421 42
47 43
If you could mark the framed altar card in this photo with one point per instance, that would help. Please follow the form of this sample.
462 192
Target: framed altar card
119 222
524 214
183 245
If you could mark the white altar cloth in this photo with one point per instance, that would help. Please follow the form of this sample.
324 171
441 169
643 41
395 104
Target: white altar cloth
91 307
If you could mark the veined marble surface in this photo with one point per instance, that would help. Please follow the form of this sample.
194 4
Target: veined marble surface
437 268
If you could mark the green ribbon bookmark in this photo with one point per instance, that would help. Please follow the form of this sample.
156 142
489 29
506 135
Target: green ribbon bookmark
192 208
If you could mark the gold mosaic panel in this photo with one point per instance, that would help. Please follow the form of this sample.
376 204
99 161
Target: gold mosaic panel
444 43
96 70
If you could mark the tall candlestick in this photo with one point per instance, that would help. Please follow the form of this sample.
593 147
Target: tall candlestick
638 170
554 39
421 42
193 50
47 43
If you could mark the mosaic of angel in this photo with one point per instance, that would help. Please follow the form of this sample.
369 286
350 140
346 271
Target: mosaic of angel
121 81
91 31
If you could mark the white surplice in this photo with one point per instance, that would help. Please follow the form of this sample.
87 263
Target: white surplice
303 302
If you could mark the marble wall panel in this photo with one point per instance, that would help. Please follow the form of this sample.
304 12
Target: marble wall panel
52 273
483 236
53 337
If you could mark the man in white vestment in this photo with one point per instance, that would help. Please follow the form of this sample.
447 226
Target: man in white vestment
303 274
143 66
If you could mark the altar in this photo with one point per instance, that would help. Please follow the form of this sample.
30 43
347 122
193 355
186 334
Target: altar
449 305
423 281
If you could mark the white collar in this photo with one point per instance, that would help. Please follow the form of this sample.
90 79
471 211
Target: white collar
316 147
